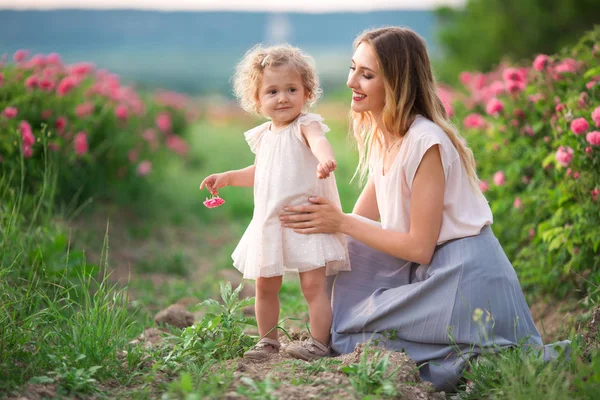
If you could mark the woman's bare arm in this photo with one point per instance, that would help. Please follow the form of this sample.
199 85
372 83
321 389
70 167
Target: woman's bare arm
366 205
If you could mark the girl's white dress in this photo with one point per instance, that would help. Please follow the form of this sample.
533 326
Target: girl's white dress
286 174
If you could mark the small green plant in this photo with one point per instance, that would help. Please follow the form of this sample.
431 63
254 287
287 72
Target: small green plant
70 379
204 385
219 335
372 376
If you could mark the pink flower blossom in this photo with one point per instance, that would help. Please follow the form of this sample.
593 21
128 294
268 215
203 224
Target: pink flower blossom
564 155
494 107
31 82
1 77
84 110
10 112
60 124
534 98
588 150
465 78
81 69
177 144
213 202
474 121
546 139
27 151
540 62
593 138
528 130
54 58
596 116
579 126
575 175
163 121
590 84
122 112
559 107
27 134
566 65
484 186
54 146
150 136
595 194
46 85
531 233
499 178
569 171
515 86
20 55
80 143
66 85
513 74
144 168
46 114
517 203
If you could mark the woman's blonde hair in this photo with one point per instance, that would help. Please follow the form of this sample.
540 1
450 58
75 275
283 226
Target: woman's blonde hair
248 74
410 89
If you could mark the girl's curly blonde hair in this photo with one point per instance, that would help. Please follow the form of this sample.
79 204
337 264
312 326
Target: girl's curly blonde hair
249 71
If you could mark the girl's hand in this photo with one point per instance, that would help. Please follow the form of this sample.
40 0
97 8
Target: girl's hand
326 168
319 217
215 182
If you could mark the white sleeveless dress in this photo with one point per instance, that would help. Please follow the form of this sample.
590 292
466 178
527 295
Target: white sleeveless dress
286 175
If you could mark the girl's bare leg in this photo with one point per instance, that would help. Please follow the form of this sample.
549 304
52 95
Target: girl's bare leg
314 287
267 305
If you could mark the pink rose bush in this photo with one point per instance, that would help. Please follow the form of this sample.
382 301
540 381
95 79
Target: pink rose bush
90 121
533 131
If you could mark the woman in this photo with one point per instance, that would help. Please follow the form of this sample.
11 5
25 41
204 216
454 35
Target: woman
430 278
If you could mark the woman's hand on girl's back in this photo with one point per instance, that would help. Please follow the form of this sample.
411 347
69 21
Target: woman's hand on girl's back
320 217
214 182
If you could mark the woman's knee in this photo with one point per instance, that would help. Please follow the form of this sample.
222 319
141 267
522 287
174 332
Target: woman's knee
268 286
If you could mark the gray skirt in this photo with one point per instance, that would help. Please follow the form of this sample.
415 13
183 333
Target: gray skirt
466 301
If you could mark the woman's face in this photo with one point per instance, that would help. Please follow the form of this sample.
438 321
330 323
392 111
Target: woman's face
366 81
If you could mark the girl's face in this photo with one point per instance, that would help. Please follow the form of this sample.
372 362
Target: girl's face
281 94
366 81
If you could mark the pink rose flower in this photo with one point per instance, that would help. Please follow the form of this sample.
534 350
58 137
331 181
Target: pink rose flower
595 194
499 178
84 110
27 134
515 86
122 112
517 203
46 114
80 143
484 186
27 151
144 168
81 69
213 202
10 112
494 107
54 58
132 156
31 82
593 138
1 77
163 121
465 78
564 155
20 55
576 175
596 116
559 107
46 85
474 121
588 150
579 126
177 144
540 62
66 85
60 124
513 74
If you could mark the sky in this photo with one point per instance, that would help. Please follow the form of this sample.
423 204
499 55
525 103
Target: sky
232 5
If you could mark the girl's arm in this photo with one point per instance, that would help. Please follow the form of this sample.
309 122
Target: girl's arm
366 205
240 177
426 207
320 147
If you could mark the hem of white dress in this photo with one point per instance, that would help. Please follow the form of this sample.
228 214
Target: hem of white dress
332 268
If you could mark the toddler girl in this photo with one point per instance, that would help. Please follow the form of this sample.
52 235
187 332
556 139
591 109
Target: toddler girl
294 161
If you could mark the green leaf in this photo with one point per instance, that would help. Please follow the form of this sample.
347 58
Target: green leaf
591 72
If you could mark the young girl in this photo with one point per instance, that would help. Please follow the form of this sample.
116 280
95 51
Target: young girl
294 161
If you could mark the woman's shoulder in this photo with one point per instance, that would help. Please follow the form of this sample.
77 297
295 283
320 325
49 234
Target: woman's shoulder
423 127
